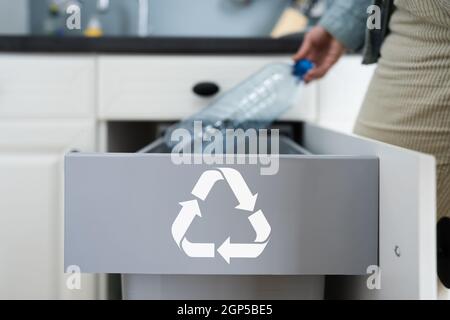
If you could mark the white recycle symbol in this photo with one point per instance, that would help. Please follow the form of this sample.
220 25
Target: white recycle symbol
247 201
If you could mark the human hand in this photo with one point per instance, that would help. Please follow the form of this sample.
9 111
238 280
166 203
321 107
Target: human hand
320 47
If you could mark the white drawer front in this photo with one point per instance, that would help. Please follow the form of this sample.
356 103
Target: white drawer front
157 87
38 86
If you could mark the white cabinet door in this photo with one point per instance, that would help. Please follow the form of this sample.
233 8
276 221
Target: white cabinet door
31 206
43 86
407 218
342 92
160 87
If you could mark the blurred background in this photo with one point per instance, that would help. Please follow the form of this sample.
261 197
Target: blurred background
209 18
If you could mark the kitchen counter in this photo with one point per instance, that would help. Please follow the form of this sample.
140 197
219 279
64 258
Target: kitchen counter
153 45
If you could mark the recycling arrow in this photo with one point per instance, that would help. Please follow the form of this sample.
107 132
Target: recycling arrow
261 226
230 250
189 211
206 182
246 199
198 250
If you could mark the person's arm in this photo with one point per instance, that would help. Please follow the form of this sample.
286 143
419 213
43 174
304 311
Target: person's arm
342 28
346 21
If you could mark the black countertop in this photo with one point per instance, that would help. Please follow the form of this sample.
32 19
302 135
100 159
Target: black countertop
153 45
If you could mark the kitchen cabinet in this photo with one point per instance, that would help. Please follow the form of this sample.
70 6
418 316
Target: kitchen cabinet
31 220
160 87
46 109
45 86
407 225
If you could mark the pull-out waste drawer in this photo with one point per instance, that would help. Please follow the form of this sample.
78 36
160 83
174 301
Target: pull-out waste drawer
208 230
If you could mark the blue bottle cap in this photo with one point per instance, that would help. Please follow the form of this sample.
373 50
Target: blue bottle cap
302 67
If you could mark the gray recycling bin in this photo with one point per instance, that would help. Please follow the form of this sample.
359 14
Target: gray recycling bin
203 231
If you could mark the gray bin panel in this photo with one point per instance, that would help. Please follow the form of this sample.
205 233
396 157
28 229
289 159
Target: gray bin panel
323 213
218 287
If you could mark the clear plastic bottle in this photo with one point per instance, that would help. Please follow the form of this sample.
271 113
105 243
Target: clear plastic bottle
254 103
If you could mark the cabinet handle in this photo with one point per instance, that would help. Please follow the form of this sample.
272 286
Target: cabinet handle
206 89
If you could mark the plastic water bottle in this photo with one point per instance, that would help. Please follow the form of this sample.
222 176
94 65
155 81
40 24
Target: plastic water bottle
254 103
